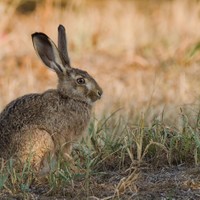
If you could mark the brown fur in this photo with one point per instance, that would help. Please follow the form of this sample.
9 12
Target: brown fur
38 125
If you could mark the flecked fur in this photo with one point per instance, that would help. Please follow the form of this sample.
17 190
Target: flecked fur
37 125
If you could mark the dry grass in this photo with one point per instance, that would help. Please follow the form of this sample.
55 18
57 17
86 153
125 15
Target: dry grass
139 52
145 55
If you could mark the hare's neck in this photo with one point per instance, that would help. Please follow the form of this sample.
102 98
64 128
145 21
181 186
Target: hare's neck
76 100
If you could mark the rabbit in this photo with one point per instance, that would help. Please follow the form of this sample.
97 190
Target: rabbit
34 126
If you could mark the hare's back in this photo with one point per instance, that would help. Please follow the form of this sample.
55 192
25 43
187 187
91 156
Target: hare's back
26 110
48 111
19 112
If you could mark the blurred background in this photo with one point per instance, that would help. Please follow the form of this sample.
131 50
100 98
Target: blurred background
144 54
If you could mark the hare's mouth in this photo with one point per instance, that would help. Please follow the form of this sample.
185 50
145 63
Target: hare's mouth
95 95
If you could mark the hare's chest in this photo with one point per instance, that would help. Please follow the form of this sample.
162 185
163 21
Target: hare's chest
76 120
70 119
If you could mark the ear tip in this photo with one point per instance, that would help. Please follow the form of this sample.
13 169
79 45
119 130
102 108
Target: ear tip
39 35
61 28
34 34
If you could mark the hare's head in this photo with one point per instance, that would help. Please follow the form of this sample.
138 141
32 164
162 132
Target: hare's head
73 82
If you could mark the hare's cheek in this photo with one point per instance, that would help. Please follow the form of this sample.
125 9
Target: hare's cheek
81 90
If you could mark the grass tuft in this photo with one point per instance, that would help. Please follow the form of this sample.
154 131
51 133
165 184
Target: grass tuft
112 145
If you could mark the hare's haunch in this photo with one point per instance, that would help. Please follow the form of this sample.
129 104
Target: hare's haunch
38 125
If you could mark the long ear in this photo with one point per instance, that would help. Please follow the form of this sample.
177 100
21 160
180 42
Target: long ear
62 44
48 52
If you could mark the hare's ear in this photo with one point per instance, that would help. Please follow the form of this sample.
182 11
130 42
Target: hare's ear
62 44
48 52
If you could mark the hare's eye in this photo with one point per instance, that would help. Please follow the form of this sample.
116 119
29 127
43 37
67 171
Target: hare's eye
80 81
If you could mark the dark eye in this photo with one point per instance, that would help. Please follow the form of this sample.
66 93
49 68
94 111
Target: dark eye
80 81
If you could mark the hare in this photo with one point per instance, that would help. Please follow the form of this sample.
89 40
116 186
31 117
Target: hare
35 126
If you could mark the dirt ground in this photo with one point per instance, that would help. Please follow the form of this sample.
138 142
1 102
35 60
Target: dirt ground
180 182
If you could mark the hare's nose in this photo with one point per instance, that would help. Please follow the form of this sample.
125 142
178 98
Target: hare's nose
99 93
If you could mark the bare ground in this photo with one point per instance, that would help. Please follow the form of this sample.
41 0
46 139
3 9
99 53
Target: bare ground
177 182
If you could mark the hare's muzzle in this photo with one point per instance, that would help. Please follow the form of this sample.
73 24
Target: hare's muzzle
99 93
95 94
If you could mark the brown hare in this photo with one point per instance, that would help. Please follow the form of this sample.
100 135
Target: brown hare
35 126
